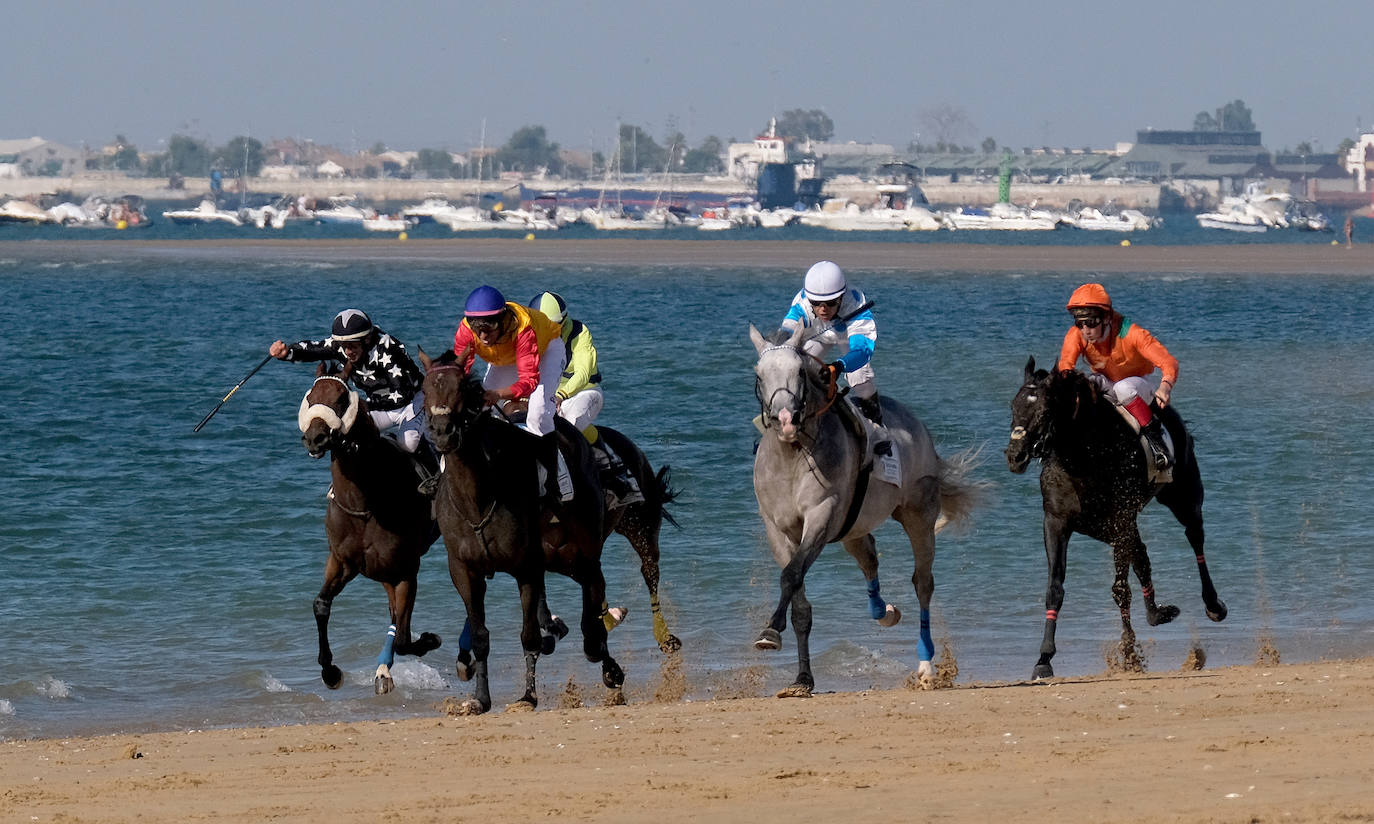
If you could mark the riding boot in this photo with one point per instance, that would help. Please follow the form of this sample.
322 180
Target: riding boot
548 460
619 485
1154 436
428 468
871 408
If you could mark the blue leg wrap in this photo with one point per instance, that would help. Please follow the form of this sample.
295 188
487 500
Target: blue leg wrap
877 607
387 657
465 640
925 648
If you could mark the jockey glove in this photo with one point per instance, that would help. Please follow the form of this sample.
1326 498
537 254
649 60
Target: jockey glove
836 369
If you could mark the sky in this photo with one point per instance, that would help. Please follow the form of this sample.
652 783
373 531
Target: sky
454 75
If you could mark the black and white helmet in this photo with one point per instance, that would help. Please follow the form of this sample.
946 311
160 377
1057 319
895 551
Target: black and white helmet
350 325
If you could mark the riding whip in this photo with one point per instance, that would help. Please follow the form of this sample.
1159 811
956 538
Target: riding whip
252 372
846 318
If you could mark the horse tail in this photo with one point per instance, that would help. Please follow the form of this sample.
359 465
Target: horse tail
960 494
664 494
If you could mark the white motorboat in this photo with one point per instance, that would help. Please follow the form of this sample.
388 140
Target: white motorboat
70 214
427 209
1004 216
1234 218
21 211
206 213
467 219
610 219
1127 220
343 214
385 223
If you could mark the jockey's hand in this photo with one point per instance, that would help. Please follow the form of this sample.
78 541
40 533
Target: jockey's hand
492 397
1162 394
836 369
277 350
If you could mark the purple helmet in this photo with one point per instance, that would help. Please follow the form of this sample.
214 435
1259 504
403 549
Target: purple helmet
484 301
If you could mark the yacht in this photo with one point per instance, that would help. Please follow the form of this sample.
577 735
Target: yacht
207 212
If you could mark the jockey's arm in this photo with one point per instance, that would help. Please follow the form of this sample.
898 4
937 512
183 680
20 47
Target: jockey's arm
1070 350
581 365
307 351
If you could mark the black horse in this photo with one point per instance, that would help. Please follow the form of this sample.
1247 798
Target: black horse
1093 481
490 513
377 523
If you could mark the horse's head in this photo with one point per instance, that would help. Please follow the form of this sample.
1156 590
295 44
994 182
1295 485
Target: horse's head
453 400
787 382
1030 419
329 411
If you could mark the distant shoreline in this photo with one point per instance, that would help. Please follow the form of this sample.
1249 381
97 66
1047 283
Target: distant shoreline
1270 259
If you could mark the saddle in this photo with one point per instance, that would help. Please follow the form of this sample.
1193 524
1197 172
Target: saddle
874 442
1154 473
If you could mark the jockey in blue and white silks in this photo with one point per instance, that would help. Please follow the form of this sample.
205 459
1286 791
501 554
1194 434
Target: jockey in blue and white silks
824 298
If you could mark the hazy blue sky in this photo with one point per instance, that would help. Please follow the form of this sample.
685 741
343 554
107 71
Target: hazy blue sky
424 74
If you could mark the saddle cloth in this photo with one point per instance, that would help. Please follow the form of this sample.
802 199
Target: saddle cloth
1153 473
877 444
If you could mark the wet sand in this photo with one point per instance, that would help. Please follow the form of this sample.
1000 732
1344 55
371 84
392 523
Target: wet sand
1242 744
1287 259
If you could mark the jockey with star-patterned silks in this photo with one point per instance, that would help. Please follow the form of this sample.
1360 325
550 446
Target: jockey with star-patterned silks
382 371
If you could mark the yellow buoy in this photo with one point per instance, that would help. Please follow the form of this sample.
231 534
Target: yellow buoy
1335 243
1125 243
124 224
403 236
530 236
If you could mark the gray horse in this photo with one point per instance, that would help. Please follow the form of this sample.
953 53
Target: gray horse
815 487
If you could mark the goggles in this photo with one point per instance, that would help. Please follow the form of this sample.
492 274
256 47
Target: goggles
833 303
1088 322
484 324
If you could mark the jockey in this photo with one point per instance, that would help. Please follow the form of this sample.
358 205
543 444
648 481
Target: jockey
525 356
579 398
383 372
824 297
1122 355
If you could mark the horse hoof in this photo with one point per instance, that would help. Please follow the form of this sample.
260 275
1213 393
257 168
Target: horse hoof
925 676
471 707
332 676
670 644
1161 615
547 642
613 617
769 639
525 704
612 675
615 698
891 617
1217 613
795 691
428 641
464 670
383 684
559 627
1041 672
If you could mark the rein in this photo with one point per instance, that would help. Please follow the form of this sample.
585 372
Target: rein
831 390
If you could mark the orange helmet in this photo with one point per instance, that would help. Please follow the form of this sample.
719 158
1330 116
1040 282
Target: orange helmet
1089 296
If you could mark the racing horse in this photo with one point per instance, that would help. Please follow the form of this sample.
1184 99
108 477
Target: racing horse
1093 481
813 485
493 520
378 524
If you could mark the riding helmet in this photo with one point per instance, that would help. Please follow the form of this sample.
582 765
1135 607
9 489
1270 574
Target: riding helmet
551 304
349 325
824 281
1089 296
484 301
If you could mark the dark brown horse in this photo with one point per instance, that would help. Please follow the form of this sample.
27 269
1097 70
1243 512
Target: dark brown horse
492 518
378 524
1093 481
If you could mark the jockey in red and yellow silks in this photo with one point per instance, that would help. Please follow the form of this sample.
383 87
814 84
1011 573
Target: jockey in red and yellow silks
1122 355
523 350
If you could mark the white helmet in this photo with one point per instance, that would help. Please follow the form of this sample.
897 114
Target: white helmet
824 281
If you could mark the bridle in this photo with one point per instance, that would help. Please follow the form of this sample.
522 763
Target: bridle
1037 447
831 393
465 416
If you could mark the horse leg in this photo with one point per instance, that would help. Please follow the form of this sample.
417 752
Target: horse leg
1183 497
864 552
594 631
1123 555
400 613
472 588
552 629
335 579
801 627
531 635
1056 557
795 560
1155 614
641 527
920 531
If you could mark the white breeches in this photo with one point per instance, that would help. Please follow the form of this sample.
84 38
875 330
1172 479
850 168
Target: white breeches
581 409
543 401
1123 391
409 422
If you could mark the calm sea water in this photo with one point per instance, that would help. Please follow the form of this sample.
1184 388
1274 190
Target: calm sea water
159 579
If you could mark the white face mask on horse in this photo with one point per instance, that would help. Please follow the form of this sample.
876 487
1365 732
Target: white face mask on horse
311 411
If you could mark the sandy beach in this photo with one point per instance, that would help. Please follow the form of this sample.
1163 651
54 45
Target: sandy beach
1242 744
780 254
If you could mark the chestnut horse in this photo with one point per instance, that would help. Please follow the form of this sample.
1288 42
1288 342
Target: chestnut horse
377 523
